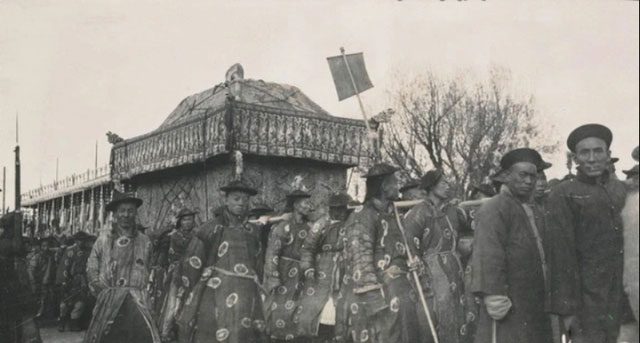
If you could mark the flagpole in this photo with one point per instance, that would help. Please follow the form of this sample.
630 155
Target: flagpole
355 88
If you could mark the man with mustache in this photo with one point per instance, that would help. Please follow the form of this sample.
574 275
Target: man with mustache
584 219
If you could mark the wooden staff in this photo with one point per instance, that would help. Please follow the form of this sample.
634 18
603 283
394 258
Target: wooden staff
423 300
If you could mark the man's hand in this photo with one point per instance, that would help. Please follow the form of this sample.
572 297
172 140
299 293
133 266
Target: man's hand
571 325
271 283
415 264
497 306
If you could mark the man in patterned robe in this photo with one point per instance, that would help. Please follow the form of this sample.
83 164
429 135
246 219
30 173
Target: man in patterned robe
221 276
117 272
376 301
320 263
283 274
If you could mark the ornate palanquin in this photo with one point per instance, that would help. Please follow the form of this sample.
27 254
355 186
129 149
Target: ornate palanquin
281 133
248 128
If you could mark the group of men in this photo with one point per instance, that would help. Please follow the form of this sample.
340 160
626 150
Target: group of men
544 263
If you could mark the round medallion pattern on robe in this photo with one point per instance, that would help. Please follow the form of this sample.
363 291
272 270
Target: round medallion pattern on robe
471 317
322 275
275 259
222 334
293 272
185 281
259 324
245 322
232 299
446 233
241 269
214 282
463 329
123 241
289 304
364 335
302 234
354 308
395 304
222 249
356 275
289 240
280 324
416 242
274 306
382 265
195 262
70 254
311 291
121 282
282 289
326 247
288 337
400 248
453 286
206 273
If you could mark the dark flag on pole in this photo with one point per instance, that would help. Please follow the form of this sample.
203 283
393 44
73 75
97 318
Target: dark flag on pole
349 75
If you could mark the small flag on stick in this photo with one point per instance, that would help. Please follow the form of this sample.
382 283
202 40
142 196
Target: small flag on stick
349 74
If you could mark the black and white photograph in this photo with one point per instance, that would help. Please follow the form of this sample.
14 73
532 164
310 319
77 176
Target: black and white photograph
275 171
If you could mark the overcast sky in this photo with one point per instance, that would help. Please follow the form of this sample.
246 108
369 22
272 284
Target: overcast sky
74 70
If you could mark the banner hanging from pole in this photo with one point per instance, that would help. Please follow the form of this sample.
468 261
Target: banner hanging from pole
349 75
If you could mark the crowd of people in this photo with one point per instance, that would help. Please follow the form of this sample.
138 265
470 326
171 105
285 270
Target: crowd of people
526 259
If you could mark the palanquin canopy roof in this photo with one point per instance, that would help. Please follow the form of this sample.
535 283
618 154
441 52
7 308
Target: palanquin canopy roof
250 116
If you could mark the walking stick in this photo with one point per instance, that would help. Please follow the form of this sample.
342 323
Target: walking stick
494 331
423 300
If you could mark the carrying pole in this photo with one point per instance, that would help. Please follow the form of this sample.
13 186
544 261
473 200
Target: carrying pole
416 279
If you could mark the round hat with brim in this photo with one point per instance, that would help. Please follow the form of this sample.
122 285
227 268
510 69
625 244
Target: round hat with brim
522 155
631 172
340 200
80 236
185 212
485 189
544 166
380 169
635 154
589 130
239 186
260 208
120 198
297 194
431 178
413 183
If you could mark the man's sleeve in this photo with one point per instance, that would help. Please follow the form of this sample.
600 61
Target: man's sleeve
415 223
93 267
272 256
564 286
489 261
311 246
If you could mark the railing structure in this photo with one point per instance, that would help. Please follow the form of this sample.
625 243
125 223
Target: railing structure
69 205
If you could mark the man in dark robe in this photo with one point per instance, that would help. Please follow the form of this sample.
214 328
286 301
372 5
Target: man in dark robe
508 261
586 250
75 297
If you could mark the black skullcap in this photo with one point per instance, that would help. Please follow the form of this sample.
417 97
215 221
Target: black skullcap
586 131
431 178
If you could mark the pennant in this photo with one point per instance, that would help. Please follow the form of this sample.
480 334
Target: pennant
342 75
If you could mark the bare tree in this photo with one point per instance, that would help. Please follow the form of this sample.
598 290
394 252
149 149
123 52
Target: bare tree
460 128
